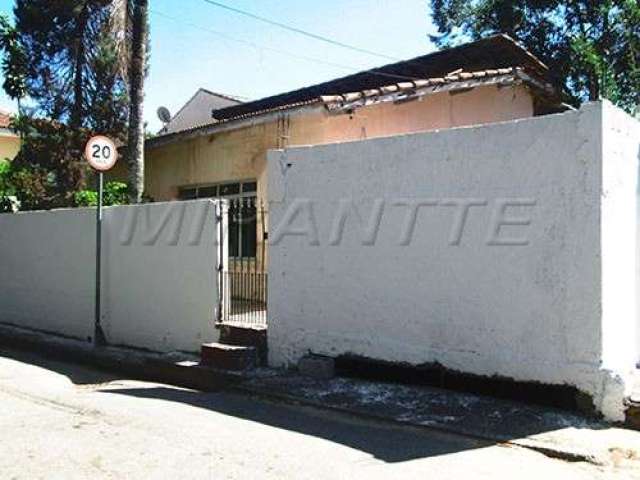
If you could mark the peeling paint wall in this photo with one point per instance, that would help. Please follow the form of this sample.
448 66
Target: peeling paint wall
159 274
534 280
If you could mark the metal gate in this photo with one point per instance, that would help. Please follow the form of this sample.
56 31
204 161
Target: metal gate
243 279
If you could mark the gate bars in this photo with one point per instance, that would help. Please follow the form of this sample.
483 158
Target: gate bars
244 278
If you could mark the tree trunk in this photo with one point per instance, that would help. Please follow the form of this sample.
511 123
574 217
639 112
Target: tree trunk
77 108
594 87
140 32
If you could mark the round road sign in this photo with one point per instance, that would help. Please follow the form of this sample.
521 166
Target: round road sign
101 153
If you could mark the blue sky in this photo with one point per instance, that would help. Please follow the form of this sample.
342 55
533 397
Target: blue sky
187 54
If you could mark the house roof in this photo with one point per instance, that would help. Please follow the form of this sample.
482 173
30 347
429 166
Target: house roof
479 62
498 51
397 92
454 81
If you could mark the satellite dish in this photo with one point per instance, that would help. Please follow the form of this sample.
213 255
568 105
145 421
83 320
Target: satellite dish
164 115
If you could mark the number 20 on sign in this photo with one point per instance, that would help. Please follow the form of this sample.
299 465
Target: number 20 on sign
101 153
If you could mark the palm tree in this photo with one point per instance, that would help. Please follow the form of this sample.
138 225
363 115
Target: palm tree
139 38
129 25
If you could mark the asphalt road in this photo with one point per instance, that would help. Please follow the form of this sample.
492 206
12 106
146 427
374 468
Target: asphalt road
65 421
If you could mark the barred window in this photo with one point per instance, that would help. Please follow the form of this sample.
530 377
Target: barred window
243 223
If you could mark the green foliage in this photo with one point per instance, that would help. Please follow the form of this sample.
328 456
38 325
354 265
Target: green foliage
50 170
5 184
14 63
115 193
6 188
49 167
66 58
592 47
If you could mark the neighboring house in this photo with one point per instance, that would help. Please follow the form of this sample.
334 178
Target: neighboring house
9 140
197 111
490 80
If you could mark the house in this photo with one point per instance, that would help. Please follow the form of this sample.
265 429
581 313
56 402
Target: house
9 140
487 81
490 80
197 110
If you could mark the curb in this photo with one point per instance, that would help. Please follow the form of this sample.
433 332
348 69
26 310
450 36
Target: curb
176 368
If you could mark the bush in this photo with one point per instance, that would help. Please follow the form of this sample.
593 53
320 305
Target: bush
7 192
115 193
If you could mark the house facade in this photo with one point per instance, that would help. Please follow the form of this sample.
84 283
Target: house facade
491 80
9 140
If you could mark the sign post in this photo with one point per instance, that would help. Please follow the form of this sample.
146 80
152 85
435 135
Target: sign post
102 154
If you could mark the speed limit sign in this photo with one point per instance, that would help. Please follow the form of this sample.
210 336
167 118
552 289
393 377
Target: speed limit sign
101 153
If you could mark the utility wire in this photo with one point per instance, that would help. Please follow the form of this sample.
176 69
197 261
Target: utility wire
300 31
276 50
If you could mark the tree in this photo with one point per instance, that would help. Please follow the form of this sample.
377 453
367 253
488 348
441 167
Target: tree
14 63
49 167
64 59
71 60
137 73
591 46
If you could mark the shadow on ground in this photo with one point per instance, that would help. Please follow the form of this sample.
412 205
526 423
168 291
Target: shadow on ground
384 441
472 421
77 374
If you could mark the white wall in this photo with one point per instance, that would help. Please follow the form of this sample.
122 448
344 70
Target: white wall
547 307
159 273
47 271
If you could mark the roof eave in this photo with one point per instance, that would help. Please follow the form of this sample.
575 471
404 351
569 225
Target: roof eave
413 90
231 124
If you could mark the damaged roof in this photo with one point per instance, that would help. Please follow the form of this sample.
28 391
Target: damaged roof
498 51
455 81
494 60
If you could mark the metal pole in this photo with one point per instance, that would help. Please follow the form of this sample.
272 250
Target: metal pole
99 338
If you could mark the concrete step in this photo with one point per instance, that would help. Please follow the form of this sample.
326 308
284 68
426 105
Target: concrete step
246 336
228 357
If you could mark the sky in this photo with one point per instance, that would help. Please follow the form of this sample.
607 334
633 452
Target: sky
195 44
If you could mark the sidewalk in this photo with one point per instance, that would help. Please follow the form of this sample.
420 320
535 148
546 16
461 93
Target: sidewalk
553 432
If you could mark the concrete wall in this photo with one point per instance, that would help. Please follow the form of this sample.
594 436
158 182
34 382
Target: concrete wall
47 271
535 281
159 273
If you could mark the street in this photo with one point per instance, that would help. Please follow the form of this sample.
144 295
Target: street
65 421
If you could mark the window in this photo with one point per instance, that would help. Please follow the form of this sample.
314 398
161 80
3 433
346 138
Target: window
243 214
188 193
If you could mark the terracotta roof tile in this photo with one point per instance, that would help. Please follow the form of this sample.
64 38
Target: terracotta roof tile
453 81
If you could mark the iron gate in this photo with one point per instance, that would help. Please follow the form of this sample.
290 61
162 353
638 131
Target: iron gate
243 279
